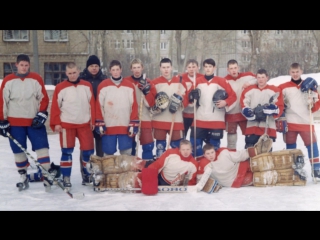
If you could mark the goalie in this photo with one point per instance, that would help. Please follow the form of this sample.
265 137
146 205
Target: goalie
229 168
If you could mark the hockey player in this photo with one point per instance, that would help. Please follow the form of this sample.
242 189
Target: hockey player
169 116
229 168
176 164
143 87
116 112
93 74
259 111
192 68
234 118
299 95
73 116
217 97
23 113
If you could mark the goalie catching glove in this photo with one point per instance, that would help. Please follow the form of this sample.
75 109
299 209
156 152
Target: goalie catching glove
263 145
39 119
175 103
161 103
133 128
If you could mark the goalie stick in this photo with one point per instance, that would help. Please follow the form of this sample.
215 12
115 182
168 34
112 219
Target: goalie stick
45 172
161 189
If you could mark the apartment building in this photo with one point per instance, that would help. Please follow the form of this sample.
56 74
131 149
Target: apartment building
52 48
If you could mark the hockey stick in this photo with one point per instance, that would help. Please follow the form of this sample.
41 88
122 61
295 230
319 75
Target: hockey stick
173 118
45 171
140 120
162 189
311 139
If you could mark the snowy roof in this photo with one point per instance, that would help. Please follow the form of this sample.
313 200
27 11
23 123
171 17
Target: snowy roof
281 79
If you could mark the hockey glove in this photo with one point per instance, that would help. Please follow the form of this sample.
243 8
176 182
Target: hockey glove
175 103
144 86
4 127
194 95
133 128
100 127
40 119
270 109
248 113
309 83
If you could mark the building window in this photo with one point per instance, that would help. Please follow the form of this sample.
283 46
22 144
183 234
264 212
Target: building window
130 44
116 44
244 31
279 31
163 45
245 57
163 31
279 43
55 35
123 43
145 45
9 68
54 72
246 44
126 31
146 32
15 35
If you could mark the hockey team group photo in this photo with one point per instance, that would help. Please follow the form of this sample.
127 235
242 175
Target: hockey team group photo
176 133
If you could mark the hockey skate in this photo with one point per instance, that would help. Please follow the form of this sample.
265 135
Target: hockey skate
66 183
23 184
87 180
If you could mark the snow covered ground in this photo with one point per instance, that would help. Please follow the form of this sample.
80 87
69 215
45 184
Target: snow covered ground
245 198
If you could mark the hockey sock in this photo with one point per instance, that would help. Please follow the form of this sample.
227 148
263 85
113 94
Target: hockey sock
66 161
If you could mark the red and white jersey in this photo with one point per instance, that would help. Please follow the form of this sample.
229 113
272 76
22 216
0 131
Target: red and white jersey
225 166
21 98
297 109
251 97
147 102
163 120
171 163
206 116
235 115
188 111
116 105
73 105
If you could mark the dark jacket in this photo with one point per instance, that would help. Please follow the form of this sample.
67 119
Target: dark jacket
95 81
